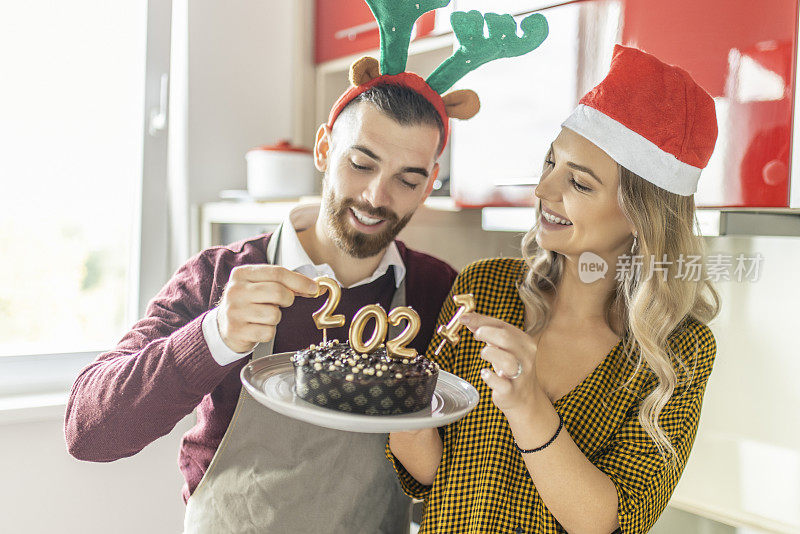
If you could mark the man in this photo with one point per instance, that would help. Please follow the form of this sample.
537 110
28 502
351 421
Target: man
248 468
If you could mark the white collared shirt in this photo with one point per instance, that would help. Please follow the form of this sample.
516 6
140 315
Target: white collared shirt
292 256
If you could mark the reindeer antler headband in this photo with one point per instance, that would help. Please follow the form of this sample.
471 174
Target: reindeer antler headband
395 21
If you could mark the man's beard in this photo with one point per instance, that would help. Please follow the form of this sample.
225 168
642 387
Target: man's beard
350 240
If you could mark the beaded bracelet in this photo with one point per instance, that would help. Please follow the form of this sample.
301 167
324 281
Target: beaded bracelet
560 425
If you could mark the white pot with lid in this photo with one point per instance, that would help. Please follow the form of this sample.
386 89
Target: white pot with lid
280 171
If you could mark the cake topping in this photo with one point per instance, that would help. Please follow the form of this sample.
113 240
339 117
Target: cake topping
337 357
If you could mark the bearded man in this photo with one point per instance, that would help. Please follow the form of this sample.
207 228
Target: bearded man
248 468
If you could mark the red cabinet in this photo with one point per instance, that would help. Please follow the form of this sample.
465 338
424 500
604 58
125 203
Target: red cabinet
347 27
742 52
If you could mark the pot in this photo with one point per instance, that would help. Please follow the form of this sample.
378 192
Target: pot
280 171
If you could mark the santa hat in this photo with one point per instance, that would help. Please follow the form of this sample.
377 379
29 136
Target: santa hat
396 19
651 118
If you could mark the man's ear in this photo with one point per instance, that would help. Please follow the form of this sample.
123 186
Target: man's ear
322 147
432 178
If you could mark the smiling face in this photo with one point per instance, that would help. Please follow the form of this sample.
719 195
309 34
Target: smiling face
377 173
578 200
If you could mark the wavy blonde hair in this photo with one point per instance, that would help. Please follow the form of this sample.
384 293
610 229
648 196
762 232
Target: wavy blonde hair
647 308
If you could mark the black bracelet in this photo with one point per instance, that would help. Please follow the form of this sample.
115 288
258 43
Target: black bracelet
560 425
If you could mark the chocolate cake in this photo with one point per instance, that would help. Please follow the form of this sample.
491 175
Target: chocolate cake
335 376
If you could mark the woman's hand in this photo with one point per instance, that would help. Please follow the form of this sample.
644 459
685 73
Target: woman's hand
512 353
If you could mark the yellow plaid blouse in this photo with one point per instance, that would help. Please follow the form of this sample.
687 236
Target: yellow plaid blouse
482 485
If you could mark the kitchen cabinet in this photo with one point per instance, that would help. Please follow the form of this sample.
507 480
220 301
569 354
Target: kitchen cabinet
346 27
744 58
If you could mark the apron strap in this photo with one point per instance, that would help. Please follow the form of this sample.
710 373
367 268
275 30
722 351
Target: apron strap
272 246
265 349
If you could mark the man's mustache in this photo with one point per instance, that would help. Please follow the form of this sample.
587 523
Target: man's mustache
378 213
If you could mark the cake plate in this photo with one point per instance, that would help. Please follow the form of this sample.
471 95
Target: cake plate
270 381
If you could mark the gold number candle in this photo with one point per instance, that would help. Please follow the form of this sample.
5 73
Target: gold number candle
356 334
397 346
465 303
323 317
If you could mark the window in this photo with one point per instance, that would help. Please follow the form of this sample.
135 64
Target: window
72 135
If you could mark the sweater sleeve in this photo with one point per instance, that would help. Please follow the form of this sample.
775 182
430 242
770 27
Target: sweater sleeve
157 374
644 481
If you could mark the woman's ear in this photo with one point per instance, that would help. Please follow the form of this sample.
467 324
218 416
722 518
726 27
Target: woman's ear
322 148
462 104
364 70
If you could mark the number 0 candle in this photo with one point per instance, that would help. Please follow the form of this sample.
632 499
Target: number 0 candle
356 334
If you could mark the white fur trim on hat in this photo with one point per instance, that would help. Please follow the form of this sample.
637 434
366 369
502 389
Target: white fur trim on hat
633 151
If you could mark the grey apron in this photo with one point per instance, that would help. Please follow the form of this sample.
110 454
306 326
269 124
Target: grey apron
274 474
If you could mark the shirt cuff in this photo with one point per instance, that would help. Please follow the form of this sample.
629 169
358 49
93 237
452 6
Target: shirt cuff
221 353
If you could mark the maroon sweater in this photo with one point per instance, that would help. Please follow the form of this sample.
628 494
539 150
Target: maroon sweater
162 369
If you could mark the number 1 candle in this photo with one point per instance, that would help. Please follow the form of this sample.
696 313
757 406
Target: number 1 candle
465 303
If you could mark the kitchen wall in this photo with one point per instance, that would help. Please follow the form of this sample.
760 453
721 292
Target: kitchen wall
45 490
745 464
245 81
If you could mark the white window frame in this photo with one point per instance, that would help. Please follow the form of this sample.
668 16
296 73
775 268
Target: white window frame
36 386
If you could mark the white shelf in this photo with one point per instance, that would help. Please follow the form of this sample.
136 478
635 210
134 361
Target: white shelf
255 212
507 219
713 222
213 215
268 211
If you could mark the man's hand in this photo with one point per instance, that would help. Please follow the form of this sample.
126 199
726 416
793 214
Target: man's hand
250 311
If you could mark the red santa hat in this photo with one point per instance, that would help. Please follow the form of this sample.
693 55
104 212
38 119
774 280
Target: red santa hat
651 118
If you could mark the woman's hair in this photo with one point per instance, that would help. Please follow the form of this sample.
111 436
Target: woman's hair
647 308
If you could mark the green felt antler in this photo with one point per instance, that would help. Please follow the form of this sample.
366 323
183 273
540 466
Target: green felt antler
476 49
395 19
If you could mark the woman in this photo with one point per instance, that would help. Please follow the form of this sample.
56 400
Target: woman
591 380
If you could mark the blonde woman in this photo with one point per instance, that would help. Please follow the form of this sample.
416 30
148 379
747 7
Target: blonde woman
591 381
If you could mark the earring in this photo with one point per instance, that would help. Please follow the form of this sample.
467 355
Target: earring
633 245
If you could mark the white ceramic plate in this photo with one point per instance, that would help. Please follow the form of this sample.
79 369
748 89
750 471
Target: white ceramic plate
270 381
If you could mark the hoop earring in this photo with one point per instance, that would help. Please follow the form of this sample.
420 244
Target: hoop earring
633 245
